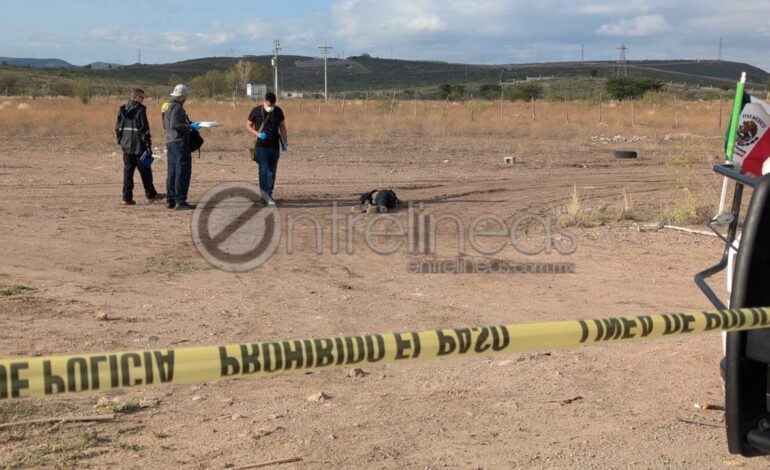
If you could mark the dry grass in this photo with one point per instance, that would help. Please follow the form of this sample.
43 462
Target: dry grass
369 122
693 208
582 213
686 148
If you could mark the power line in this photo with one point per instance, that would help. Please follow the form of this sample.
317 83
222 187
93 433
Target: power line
325 50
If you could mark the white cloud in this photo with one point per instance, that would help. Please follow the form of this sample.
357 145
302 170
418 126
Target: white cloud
368 23
612 8
110 34
255 29
427 23
475 31
176 41
647 25
214 38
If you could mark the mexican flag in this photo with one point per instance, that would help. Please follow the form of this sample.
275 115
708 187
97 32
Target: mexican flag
752 143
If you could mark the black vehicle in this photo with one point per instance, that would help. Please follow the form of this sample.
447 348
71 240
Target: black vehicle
746 366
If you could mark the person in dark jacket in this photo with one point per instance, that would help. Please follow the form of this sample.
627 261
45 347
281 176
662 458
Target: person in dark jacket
177 126
132 130
267 124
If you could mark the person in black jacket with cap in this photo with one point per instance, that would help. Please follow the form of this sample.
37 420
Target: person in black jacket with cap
132 130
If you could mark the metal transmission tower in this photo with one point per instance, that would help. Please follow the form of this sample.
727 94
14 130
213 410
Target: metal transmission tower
582 53
276 49
719 55
325 50
622 61
139 56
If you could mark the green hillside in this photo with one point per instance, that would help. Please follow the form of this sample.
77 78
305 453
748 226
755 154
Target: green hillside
360 73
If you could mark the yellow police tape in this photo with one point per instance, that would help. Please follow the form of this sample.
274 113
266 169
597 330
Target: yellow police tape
42 376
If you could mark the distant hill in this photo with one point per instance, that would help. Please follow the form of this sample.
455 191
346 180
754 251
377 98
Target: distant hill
36 63
365 72
299 73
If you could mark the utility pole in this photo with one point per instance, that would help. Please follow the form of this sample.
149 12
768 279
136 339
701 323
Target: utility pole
325 50
582 53
276 49
719 55
139 56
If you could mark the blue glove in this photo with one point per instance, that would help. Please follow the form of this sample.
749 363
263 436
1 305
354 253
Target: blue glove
195 125
262 136
284 146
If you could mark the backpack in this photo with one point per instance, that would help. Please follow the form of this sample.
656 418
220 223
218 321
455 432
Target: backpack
196 141
253 146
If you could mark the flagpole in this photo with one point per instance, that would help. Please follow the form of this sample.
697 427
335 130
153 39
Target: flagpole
735 118
722 217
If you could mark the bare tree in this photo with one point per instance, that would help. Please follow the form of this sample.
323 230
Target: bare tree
243 70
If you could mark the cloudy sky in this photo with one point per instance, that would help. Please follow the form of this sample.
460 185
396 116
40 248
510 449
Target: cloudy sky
474 31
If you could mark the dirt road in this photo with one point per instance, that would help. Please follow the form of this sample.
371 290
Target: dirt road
66 238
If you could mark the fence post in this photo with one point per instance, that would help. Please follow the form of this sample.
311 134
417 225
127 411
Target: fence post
601 118
302 98
534 113
366 104
343 105
502 98
566 110
676 113
415 109
392 103
473 105
720 112
633 114
446 102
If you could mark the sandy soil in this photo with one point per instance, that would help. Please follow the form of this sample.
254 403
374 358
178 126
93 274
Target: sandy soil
65 236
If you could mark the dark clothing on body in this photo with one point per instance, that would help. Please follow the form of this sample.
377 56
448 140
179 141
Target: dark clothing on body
179 172
267 160
176 123
381 198
272 125
132 131
177 127
131 163
268 150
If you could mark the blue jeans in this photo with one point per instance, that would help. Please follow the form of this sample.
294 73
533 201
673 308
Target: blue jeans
267 160
179 172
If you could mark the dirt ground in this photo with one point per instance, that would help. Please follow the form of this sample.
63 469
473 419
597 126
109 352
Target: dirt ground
78 252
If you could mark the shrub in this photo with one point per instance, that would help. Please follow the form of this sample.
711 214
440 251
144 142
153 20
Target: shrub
490 91
621 88
452 92
526 91
83 89
7 82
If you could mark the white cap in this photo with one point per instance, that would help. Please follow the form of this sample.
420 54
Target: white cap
179 90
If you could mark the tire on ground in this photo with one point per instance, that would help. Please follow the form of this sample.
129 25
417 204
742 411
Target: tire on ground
624 154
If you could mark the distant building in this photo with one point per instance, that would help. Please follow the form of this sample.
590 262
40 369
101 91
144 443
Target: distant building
256 91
